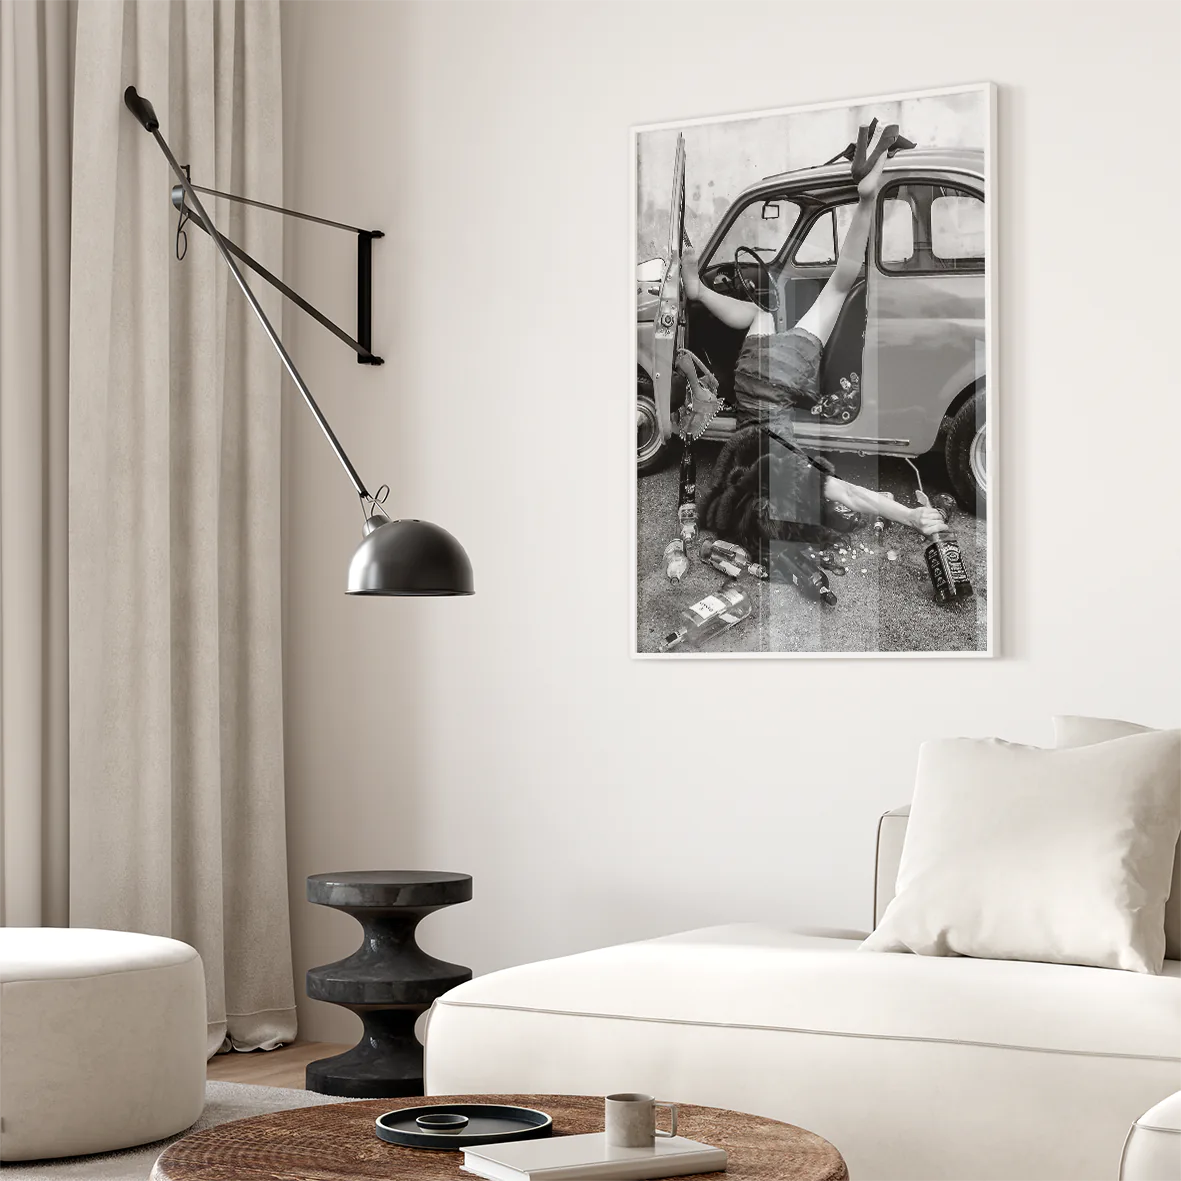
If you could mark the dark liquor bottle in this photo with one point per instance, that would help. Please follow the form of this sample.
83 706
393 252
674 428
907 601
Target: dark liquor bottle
945 564
793 565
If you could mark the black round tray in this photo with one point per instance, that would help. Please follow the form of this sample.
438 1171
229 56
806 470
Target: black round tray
488 1123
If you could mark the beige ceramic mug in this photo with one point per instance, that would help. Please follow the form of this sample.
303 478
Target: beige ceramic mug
630 1119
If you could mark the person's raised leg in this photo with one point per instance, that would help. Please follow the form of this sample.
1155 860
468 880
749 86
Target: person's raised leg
821 317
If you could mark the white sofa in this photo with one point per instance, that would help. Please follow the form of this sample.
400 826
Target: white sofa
913 1066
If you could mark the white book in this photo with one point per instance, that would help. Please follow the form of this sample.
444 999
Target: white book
572 1158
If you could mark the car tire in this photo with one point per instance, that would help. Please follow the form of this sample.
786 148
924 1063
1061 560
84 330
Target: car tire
650 449
967 455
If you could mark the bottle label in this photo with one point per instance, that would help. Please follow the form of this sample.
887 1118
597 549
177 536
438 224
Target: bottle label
945 563
708 606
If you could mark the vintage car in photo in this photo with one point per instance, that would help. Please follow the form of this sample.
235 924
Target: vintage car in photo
905 369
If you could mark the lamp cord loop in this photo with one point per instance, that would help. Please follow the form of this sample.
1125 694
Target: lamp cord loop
182 239
375 500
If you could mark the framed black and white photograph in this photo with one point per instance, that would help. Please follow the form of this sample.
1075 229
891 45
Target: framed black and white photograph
815 407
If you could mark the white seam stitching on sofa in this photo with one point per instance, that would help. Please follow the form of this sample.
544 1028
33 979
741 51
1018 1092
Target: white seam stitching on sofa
258 1012
881 1037
99 975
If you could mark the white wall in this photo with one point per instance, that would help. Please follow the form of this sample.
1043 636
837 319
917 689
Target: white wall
510 735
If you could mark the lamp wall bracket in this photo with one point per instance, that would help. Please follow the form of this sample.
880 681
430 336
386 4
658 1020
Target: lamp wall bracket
362 344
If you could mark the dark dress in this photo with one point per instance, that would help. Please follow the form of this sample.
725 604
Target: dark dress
775 375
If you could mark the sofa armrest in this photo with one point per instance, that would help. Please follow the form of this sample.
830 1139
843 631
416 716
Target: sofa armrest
891 833
832 933
1153 1147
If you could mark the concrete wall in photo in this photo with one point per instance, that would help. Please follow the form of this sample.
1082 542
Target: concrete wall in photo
724 157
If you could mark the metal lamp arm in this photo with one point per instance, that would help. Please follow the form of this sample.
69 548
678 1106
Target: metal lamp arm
143 111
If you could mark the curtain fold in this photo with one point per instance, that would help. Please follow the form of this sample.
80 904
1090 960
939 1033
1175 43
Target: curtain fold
35 84
176 744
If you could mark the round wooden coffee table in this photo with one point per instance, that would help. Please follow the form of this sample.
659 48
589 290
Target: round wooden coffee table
336 1143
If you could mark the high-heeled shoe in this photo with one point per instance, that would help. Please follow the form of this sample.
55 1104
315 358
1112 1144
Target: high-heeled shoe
889 142
851 149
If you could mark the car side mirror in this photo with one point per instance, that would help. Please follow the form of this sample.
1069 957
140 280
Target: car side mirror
651 270
770 210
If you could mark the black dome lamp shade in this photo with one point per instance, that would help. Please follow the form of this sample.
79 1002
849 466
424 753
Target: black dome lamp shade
408 558
411 558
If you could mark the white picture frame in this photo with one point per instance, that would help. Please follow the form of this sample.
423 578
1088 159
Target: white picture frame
902 612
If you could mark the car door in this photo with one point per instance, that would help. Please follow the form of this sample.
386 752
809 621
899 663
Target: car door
669 328
924 340
762 221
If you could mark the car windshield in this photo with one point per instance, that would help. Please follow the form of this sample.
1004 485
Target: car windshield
762 225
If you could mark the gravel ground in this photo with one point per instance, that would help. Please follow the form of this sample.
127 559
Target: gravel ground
882 605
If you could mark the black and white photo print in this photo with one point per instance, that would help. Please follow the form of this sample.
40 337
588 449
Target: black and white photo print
814 369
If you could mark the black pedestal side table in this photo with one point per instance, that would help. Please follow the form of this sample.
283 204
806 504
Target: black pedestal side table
388 981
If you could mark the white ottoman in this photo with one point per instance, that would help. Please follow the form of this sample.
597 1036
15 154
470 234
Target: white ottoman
102 1040
1153 1148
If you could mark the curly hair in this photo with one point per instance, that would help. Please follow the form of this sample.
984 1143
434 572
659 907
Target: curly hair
763 489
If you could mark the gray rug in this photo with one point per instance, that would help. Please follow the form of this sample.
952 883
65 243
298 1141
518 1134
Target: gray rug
223 1102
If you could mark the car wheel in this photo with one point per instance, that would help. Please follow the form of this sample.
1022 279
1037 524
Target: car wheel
650 449
967 455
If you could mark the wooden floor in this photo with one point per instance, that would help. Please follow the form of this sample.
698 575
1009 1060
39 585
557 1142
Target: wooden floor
283 1067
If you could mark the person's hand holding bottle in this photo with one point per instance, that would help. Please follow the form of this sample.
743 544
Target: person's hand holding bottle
927 520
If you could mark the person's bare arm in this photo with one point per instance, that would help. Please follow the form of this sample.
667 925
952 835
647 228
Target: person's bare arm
924 518
736 313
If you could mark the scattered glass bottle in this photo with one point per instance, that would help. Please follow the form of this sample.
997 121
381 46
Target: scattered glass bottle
676 563
708 618
793 566
730 550
730 558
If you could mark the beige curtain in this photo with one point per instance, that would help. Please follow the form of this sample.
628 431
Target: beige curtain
35 74
176 744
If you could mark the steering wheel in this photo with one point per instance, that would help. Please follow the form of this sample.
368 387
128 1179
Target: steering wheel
752 290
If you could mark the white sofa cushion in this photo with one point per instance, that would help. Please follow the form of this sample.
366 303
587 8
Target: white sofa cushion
760 977
1019 853
1076 731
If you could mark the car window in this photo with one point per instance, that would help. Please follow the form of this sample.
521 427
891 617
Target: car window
957 227
929 228
844 217
819 244
897 242
763 225
824 237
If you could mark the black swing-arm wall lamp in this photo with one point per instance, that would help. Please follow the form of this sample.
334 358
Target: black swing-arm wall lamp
404 557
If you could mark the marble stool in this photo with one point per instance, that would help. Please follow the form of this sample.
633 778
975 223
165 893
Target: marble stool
388 981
